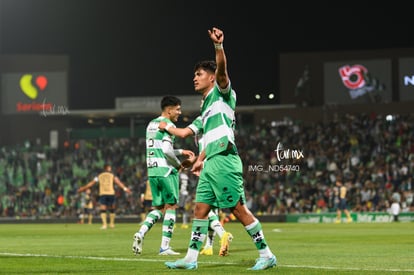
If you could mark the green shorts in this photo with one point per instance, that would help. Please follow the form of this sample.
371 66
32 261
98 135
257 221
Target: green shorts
164 189
221 181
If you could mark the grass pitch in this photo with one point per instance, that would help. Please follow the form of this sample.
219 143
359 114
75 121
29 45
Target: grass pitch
357 248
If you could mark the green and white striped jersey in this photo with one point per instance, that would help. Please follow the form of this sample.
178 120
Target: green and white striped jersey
157 162
217 115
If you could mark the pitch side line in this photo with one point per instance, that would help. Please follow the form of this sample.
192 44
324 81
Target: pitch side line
202 262
138 259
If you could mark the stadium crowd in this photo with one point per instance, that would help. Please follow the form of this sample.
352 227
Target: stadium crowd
289 167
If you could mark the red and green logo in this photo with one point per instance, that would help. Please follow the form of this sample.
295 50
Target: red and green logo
32 90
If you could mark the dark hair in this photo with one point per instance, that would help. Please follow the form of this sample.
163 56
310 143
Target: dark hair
206 65
167 101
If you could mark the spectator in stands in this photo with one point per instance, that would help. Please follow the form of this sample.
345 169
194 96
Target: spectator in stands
376 144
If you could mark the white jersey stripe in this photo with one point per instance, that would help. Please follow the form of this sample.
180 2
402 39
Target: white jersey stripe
219 107
217 133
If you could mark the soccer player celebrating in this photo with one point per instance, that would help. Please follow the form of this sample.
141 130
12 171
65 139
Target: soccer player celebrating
219 166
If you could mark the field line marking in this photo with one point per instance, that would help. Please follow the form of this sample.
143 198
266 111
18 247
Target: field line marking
202 262
100 258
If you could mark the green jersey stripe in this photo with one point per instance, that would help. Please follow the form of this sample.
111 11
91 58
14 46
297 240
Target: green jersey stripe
217 112
157 163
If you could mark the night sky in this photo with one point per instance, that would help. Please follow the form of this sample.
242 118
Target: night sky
120 48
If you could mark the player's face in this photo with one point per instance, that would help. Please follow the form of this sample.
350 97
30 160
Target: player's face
203 81
174 112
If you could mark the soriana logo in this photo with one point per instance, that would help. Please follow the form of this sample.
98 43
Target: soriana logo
32 87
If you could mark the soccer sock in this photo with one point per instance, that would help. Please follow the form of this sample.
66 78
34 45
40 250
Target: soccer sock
150 220
103 218
222 216
185 217
198 235
215 224
167 228
112 218
142 216
90 217
210 238
255 231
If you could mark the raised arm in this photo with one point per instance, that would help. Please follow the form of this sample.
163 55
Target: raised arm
222 77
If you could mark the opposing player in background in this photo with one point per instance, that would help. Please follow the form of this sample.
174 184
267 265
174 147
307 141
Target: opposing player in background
341 204
107 201
87 207
163 168
219 166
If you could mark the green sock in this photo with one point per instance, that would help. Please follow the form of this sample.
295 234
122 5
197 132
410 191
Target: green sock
198 234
